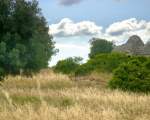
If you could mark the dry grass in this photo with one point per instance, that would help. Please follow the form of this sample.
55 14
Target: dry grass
48 96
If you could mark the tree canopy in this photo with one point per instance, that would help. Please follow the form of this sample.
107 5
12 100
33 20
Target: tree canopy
100 46
24 40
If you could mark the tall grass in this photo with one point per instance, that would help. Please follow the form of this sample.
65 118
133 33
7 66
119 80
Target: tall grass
49 96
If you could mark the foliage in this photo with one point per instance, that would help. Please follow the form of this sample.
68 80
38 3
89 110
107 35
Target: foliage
84 69
107 62
102 63
24 40
100 46
68 65
132 76
147 64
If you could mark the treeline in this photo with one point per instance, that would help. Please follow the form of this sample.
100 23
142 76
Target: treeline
130 72
25 45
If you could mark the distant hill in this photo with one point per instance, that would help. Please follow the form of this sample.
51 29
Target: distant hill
134 46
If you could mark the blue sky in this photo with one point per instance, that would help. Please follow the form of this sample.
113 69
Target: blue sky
94 18
103 12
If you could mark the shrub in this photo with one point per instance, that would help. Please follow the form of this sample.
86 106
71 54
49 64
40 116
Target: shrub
147 64
102 63
108 62
131 76
83 70
68 65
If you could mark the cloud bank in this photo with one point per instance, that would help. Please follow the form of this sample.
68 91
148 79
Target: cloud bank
122 30
117 32
68 28
129 25
69 2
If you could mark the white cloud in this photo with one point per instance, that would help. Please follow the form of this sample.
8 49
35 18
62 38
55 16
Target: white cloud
119 28
67 28
118 32
124 29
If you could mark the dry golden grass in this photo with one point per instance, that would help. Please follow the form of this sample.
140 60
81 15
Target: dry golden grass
49 96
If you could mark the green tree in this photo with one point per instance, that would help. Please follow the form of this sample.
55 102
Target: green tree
100 46
24 40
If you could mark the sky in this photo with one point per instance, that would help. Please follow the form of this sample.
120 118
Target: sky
74 22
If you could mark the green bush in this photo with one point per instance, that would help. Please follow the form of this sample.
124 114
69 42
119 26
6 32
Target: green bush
108 62
147 64
67 66
83 70
131 76
102 63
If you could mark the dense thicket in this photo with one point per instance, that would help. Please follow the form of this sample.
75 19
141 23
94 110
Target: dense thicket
132 76
68 65
100 46
25 44
102 63
108 62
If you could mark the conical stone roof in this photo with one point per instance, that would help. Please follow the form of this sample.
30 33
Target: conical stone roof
134 46
135 41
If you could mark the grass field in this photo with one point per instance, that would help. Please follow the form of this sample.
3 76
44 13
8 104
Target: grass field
49 96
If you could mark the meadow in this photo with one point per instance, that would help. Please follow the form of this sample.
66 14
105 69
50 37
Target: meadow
50 96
